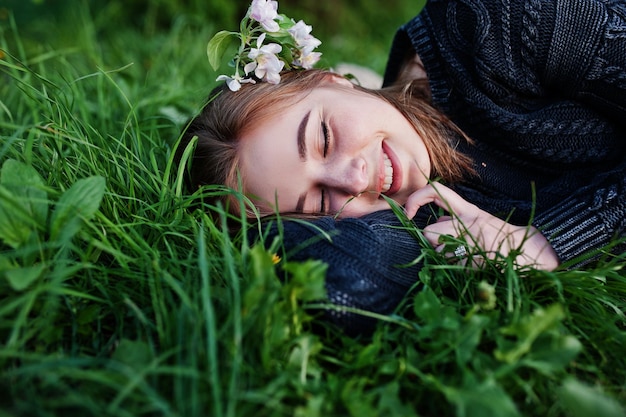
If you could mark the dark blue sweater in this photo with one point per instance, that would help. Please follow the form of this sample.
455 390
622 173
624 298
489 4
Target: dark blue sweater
541 88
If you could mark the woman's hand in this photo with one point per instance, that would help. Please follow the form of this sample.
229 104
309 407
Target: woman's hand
477 227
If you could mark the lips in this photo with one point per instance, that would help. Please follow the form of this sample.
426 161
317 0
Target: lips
393 181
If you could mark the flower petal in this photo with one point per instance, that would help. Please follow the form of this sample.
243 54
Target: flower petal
249 67
264 12
233 84
272 48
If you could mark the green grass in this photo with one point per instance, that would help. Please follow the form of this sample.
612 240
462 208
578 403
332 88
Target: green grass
116 300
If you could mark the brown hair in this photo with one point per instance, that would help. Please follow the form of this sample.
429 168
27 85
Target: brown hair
227 115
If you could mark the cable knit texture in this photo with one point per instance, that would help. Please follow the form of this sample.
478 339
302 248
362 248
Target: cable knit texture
540 86
371 261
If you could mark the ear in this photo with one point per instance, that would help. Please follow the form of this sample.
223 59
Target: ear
338 79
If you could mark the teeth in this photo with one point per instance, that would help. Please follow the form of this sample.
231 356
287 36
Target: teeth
388 173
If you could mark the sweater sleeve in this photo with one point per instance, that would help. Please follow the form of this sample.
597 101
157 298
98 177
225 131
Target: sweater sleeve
589 223
371 261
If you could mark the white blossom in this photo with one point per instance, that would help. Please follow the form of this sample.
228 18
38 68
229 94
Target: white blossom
307 59
234 82
301 33
265 64
264 12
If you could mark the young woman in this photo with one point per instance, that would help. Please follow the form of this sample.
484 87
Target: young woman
538 86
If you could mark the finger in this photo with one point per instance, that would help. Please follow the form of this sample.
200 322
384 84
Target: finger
434 232
453 255
410 209
418 199
440 195
438 228
434 238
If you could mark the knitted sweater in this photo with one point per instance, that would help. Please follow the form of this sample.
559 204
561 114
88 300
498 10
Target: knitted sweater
541 88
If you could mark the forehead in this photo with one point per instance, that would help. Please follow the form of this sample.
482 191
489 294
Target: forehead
270 163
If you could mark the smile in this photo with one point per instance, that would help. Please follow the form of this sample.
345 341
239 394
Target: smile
391 172
388 180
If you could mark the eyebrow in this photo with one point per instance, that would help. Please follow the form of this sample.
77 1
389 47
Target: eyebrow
302 139
302 153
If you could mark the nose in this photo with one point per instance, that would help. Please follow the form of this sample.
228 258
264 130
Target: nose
349 176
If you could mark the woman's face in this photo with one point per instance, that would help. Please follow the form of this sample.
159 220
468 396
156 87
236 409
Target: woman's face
337 149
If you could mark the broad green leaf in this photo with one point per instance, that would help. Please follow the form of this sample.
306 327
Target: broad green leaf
392 402
304 349
22 278
263 285
582 401
284 21
469 336
23 203
307 280
526 331
287 55
482 399
16 223
6 264
88 314
134 353
368 355
426 305
435 315
25 182
79 203
217 46
553 352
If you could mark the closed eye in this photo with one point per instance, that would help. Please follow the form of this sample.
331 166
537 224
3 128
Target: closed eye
323 193
326 138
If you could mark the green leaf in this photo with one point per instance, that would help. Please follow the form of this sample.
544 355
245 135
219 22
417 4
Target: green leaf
307 280
482 399
285 22
15 224
527 331
287 55
6 264
217 46
134 353
426 305
77 204
582 401
304 349
469 337
25 180
23 203
263 284
392 403
435 315
553 353
22 278
88 314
